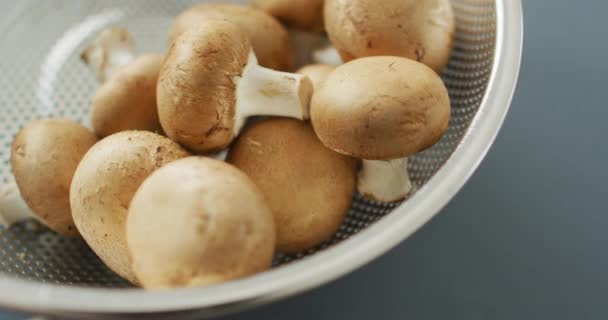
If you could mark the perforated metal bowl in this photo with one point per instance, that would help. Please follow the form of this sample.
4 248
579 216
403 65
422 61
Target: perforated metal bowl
41 75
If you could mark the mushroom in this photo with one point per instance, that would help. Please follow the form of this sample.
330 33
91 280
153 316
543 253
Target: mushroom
317 73
327 55
44 157
198 222
311 47
304 19
211 83
110 50
13 208
382 110
103 185
269 38
308 186
422 30
126 100
298 14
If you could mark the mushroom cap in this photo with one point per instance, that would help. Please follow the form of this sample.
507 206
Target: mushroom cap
317 73
197 222
308 186
415 29
196 93
381 108
44 157
299 14
104 184
127 100
269 38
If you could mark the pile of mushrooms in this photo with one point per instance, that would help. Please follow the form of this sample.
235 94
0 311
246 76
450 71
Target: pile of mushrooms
141 186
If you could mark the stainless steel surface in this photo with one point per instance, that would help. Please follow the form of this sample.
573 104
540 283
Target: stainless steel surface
42 76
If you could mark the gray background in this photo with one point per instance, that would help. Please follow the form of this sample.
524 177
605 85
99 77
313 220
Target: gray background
526 237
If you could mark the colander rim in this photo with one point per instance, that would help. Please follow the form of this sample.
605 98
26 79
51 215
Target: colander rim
334 262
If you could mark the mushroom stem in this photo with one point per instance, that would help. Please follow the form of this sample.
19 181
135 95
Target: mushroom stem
385 181
265 92
13 208
305 45
312 47
221 155
327 55
112 49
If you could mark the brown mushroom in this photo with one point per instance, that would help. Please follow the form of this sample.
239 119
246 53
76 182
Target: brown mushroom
126 100
104 184
44 157
422 30
382 110
269 38
211 83
300 14
304 19
198 222
308 186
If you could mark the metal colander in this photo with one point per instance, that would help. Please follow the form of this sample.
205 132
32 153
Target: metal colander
41 75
